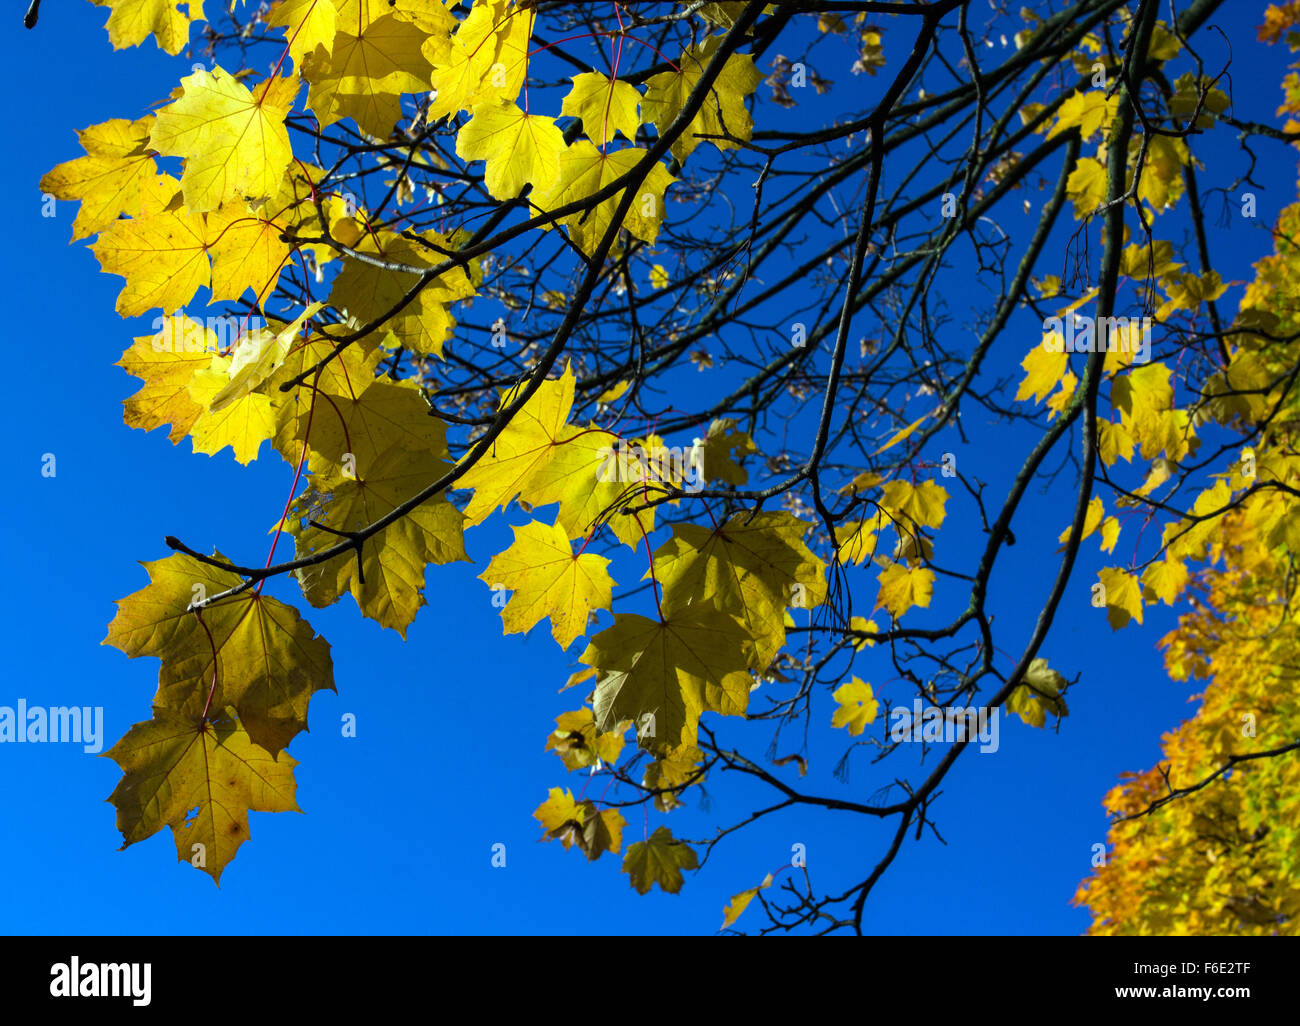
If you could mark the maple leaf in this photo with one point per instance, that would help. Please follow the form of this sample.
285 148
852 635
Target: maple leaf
201 777
131 21
364 292
484 61
902 587
584 171
723 118
755 562
1086 186
389 586
602 831
672 670
167 362
247 252
266 660
541 458
559 811
109 178
234 141
675 767
242 421
593 830
1123 597
915 505
367 418
579 744
604 107
857 706
1043 372
740 902
362 76
1090 111
1038 695
520 149
162 255
660 860
1165 580
256 356
548 579
307 24
722 440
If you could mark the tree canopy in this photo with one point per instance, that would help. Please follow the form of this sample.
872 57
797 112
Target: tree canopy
736 348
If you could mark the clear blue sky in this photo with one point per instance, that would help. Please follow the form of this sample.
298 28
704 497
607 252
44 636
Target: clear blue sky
400 821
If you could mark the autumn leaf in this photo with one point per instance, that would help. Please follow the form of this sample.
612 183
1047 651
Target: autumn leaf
857 706
902 587
520 149
672 670
108 180
584 171
132 21
251 652
1038 695
659 860
201 777
1123 597
233 140
579 744
723 119
548 578
386 576
603 107
740 902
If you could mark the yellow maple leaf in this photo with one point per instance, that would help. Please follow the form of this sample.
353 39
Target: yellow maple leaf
577 742
520 149
584 171
659 860
108 179
723 120
268 661
247 252
541 458
1165 580
548 579
663 675
484 61
1043 372
857 706
1123 596
603 107
1086 186
752 566
133 20
199 777
363 75
558 811
366 293
740 902
167 362
162 255
902 587
307 24
233 140
386 578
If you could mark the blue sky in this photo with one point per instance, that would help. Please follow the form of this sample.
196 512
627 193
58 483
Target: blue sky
449 759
